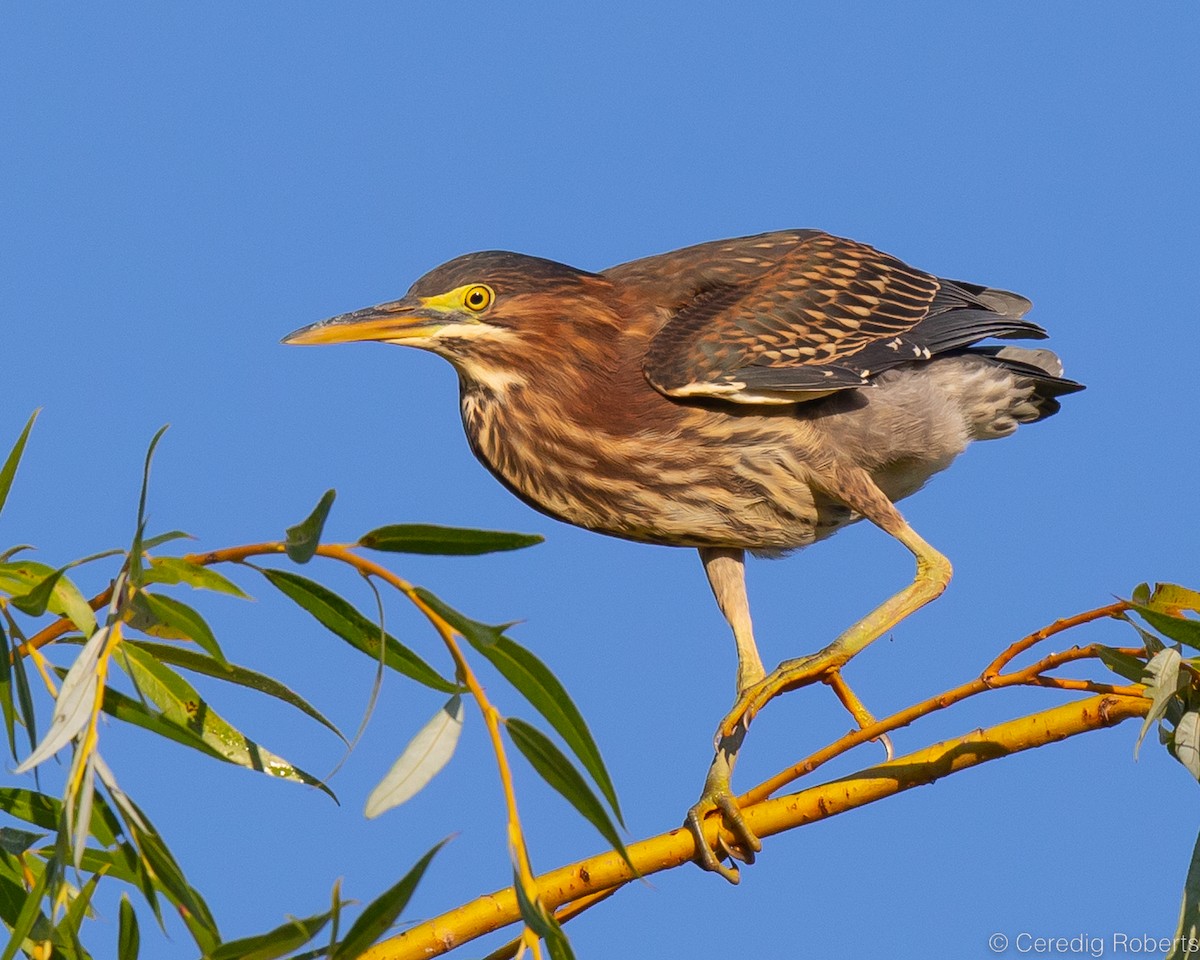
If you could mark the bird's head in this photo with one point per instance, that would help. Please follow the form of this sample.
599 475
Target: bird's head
488 313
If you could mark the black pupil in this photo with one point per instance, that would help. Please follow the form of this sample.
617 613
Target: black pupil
476 298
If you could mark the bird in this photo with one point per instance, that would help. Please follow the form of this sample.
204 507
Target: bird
754 394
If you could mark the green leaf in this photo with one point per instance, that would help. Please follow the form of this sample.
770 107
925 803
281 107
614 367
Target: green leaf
534 681
1122 664
203 664
1187 932
21 576
8 703
31 912
45 811
183 706
446 541
425 755
169 878
9 470
379 915
1171 598
132 711
171 619
37 599
34 602
68 928
554 767
128 936
182 570
338 616
16 841
138 547
24 698
275 943
542 923
1178 628
479 635
157 541
304 538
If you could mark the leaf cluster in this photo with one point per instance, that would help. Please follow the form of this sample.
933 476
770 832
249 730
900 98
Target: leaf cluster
139 651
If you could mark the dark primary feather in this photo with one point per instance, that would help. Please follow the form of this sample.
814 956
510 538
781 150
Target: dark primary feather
795 315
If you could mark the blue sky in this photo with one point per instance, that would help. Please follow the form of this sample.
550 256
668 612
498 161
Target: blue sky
182 184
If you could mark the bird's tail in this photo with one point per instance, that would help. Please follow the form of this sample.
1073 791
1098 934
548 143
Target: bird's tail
1038 382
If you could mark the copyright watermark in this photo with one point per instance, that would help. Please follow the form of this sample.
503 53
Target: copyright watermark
1118 944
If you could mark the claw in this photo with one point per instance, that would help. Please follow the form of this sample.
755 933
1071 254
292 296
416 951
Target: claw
718 798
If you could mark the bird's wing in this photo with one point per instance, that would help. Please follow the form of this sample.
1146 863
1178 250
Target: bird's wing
787 317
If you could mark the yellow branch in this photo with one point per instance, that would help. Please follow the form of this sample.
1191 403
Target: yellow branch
669 850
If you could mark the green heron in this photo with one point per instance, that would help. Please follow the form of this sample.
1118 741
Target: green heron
756 394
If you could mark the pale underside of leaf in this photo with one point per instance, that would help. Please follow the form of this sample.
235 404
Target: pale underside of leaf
426 754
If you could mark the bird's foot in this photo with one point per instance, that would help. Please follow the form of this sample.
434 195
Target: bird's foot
789 675
718 798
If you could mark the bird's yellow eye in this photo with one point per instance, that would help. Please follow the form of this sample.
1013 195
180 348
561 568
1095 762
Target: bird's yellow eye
478 297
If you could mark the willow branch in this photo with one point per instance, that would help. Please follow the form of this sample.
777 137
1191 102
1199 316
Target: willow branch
766 818
1033 675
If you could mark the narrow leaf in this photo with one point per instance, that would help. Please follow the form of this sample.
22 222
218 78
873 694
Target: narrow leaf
542 923
275 943
304 538
1186 742
1187 933
14 841
425 755
181 570
138 546
534 681
446 541
21 576
28 715
1171 598
8 703
68 928
1163 680
200 663
379 915
479 635
31 912
1122 664
73 706
45 812
553 767
34 602
128 936
181 704
342 619
158 540
129 710
9 470
1178 628
171 619
170 879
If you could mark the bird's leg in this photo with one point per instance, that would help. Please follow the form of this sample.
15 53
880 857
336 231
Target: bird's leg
933 574
726 576
726 569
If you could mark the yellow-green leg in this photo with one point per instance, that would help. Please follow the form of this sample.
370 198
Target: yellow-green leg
933 574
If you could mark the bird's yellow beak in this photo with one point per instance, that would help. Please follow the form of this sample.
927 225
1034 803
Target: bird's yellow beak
396 322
